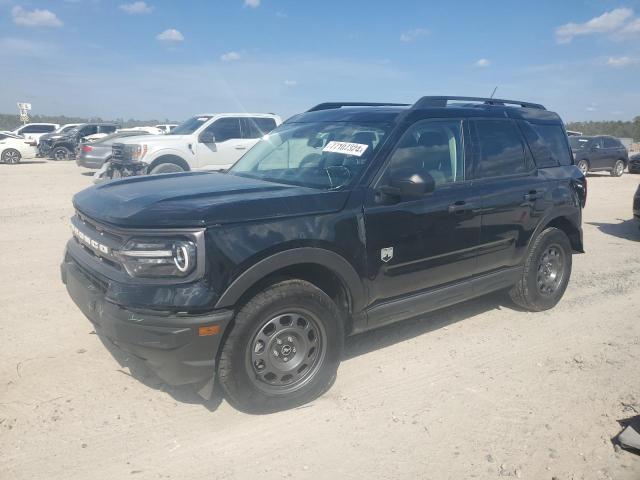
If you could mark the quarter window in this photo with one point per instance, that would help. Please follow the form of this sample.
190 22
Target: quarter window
500 148
225 129
548 144
610 143
431 147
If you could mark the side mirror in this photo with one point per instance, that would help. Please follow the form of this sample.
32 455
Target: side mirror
409 183
207 137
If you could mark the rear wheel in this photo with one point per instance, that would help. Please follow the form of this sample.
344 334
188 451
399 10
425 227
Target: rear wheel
61 153
583 165
11 156
546 272
166 167
284 349
618 169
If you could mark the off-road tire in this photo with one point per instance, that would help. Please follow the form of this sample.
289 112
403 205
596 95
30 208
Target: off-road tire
166 167
235 369
11 156
526 292
618 169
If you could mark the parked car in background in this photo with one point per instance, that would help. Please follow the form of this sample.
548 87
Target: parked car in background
151 130
347 218
636 205
601 153
62 146
95 154
634 163
166 127
14 148
212 141
33 131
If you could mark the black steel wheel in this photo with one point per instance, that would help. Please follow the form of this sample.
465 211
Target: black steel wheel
283 349
545 273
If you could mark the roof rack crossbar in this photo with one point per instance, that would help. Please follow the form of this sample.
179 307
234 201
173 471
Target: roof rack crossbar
431 102
332 105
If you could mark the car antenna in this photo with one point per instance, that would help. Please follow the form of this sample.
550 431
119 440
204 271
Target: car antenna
494 92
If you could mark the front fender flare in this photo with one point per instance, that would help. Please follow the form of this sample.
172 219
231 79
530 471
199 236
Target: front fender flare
319 256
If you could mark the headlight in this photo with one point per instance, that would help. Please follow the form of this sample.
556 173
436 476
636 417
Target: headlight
138 152
159 258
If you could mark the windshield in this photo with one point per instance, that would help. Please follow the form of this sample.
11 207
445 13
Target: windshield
190 126
578 143
66 128
110 139
318 155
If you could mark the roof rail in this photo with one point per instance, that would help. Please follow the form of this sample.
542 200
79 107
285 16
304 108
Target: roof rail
431 102
332 105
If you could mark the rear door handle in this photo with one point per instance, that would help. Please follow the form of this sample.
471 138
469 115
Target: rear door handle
460 207
241 147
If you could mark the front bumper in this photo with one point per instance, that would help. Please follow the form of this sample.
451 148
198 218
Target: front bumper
171 345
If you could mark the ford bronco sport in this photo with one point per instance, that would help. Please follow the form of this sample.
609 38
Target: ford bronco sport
345 218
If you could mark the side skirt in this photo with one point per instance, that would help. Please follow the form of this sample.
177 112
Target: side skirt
424 302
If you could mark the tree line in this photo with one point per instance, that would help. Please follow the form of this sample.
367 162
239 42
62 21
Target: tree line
12 121
615 128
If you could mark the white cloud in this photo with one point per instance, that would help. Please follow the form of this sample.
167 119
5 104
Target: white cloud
34 18
291 83
483 63
631 28
608 22
136 8
230 56
252 3
170 35
412 35
620 62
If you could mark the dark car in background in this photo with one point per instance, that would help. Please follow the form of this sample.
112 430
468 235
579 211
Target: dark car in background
63 146
634 163
95 154
600 153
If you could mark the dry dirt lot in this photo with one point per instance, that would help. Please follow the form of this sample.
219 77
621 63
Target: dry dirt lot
479 390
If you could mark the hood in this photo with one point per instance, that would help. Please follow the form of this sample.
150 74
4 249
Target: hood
55 136
197 199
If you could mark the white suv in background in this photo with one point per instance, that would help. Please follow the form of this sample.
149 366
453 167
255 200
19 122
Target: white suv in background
211 141
33 131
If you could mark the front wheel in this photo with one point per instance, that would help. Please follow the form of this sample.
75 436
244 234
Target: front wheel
166 167
61 153
11 156
618 169
284 348
583 165
546 272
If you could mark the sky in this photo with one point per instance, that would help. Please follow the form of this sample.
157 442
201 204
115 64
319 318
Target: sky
169 59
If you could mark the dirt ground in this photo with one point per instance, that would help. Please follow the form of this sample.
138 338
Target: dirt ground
479 390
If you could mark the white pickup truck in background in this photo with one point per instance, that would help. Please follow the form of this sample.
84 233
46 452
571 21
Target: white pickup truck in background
211 141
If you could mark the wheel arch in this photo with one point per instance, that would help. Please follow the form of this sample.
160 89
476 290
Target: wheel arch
570 230
169 158
325 269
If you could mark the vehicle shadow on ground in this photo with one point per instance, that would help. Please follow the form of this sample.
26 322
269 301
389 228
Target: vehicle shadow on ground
379 338
88 174
626 229
355 345
25 162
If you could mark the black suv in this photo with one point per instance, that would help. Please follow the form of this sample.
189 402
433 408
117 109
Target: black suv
345 218
63 145
595 154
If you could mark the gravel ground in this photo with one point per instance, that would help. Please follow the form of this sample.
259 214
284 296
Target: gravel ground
479 390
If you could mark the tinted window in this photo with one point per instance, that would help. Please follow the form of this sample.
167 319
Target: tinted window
611 143
548 144
38 129
106 128
190 126
255 127
88 130
501 149
2 136
579 143
225 129
433 147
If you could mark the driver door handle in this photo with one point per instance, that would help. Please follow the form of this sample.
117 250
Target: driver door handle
460 207
240 147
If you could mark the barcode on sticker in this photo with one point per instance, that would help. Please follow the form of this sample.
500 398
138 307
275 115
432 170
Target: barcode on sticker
346 148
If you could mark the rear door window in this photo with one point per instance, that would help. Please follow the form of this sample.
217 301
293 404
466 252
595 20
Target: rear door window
257 127
610 143
500 148
225 129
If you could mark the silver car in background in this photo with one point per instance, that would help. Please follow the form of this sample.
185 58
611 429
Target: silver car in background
93 155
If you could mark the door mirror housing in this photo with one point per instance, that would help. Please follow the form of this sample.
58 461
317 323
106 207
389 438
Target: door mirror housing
207 137
409 183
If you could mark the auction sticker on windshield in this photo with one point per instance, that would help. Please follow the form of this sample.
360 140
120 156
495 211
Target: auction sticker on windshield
346 148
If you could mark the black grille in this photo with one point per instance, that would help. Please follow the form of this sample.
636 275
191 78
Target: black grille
117 152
